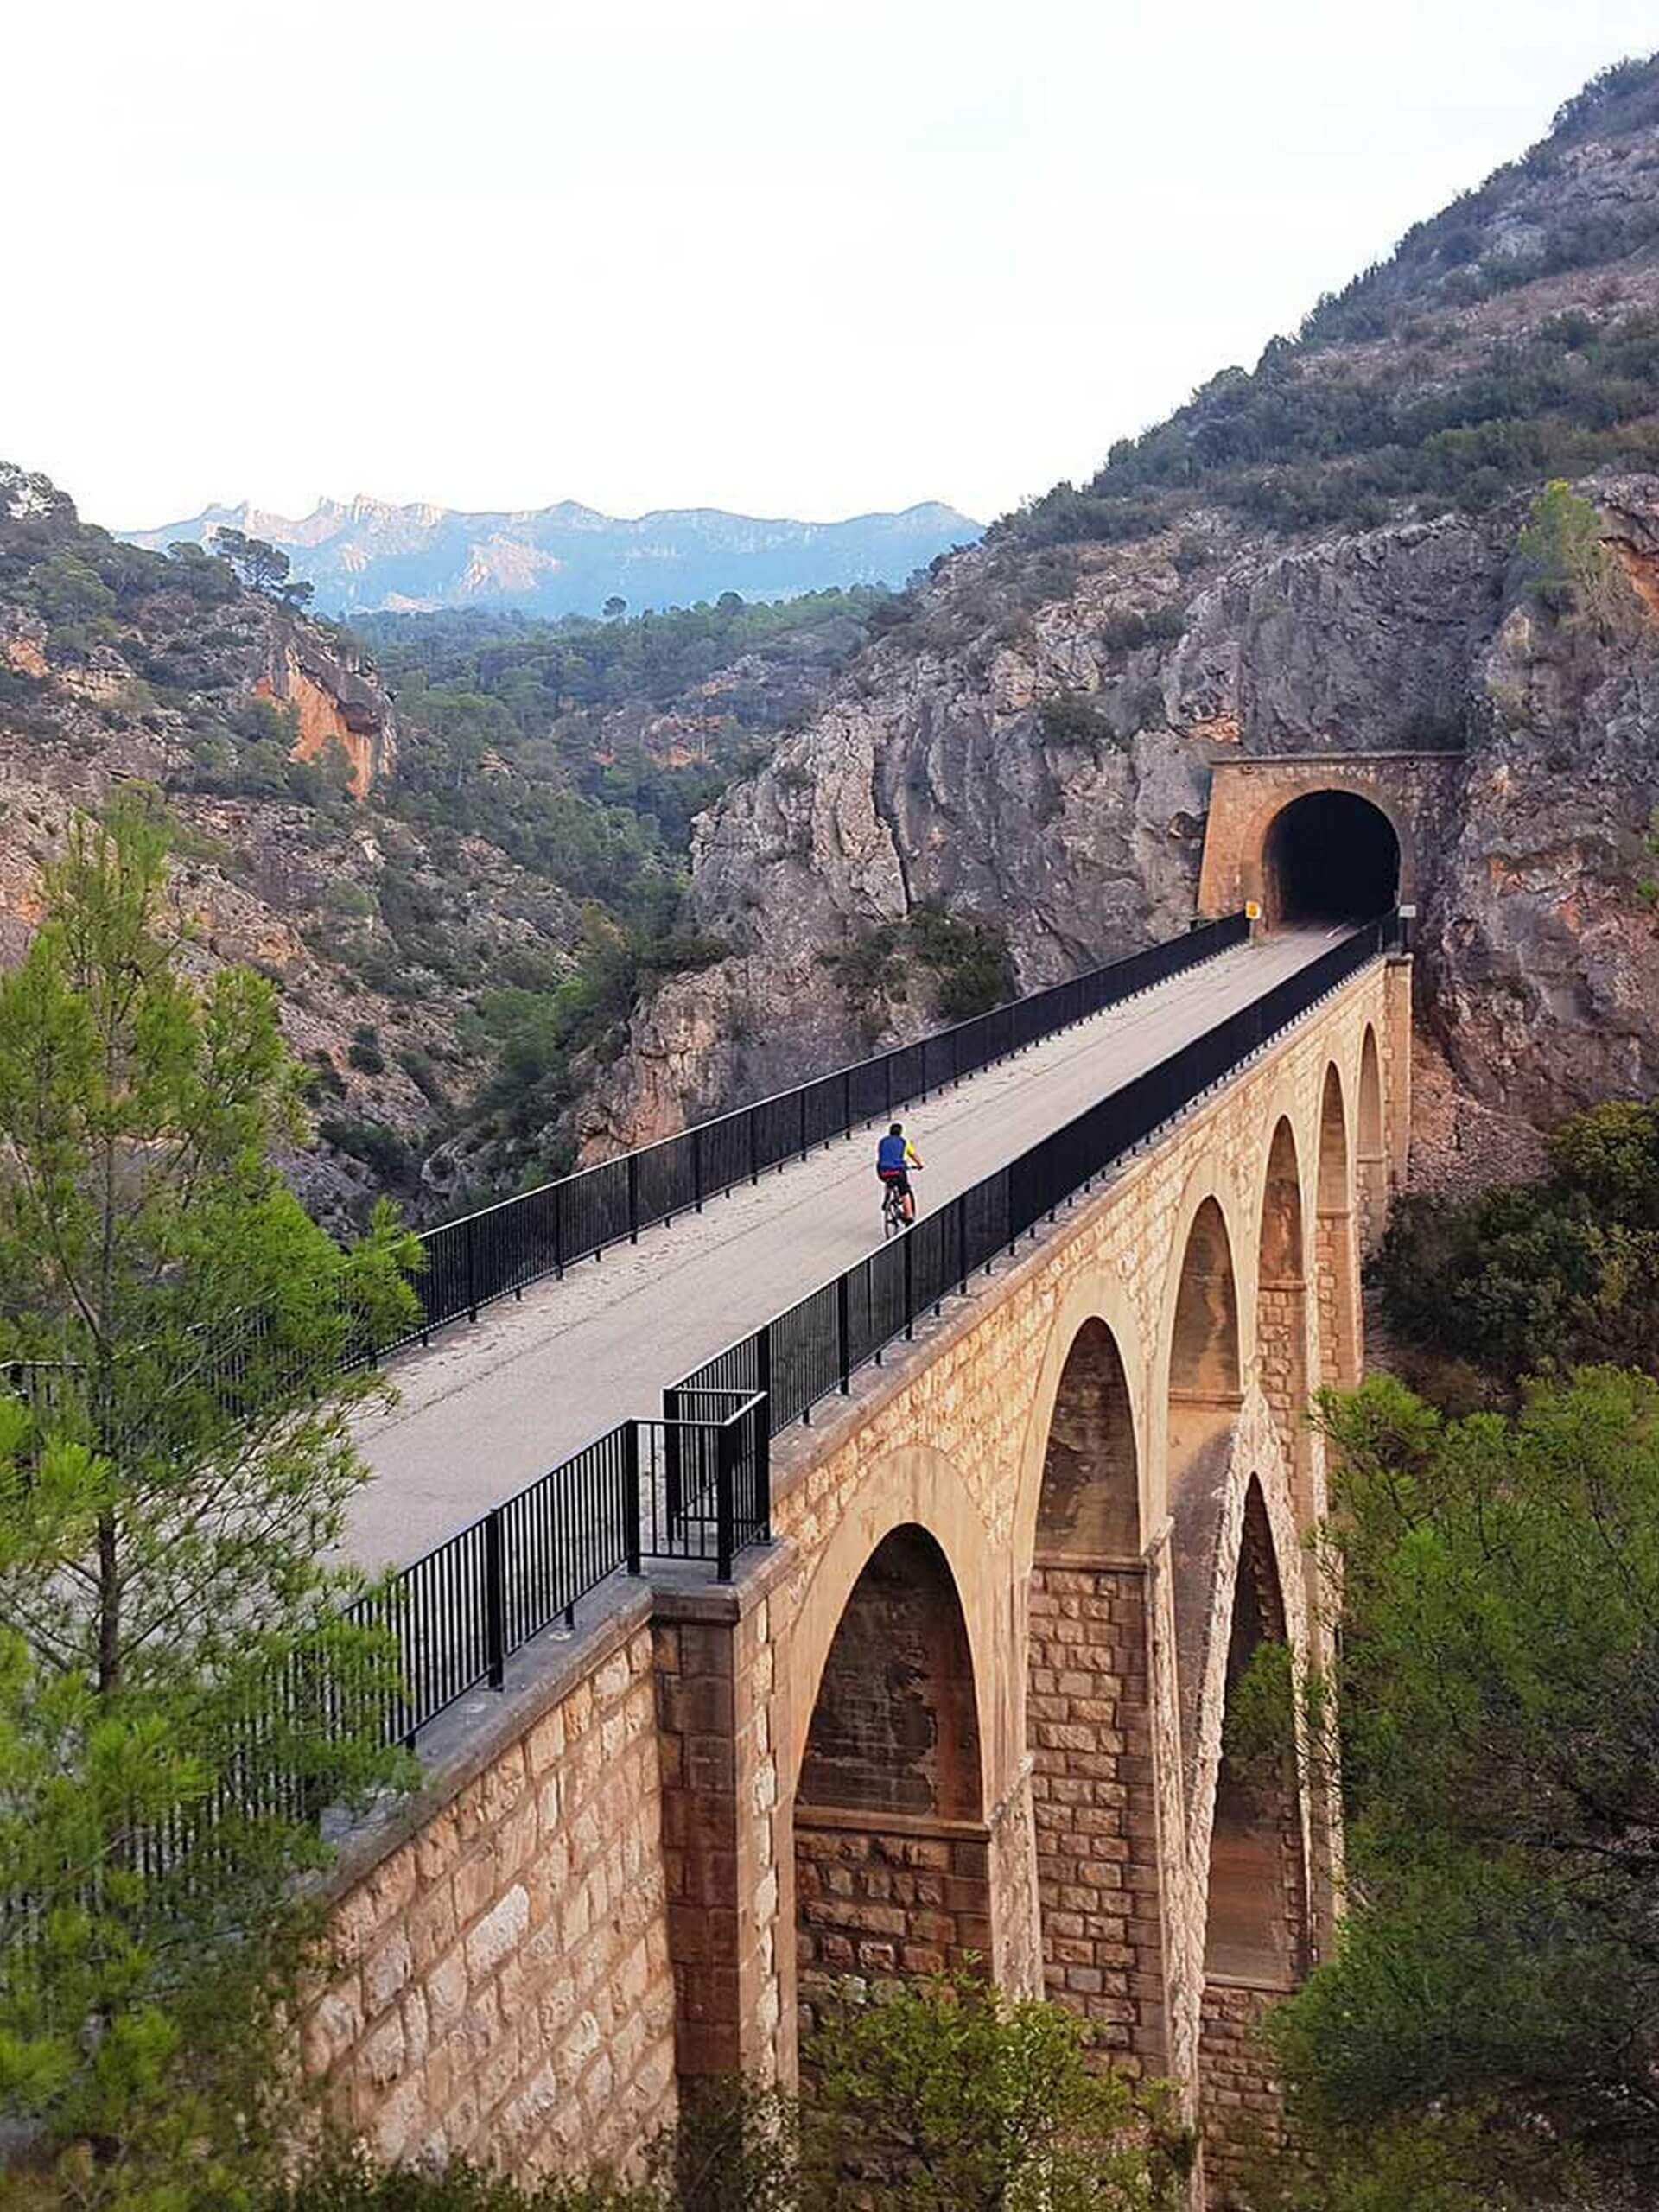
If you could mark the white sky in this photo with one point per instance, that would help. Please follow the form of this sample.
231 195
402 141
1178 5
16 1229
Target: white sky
789 259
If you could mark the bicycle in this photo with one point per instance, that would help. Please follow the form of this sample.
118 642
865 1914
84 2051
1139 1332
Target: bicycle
892 1210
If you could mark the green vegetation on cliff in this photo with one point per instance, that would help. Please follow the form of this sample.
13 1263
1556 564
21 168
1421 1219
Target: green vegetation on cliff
622 713
1419 382
1533 1279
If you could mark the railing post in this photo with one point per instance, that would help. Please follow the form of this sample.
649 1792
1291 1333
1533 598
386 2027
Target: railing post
801 1094
887 1080
763 1364
725 1470
696 1168
469 1228
847 1102
631 1504
495 1600
763 1470
558 1229
910 1287
843 1332
755 1147
673 1464
633 1198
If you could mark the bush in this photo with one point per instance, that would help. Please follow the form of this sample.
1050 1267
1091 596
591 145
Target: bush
1075 718
375 1143
972 966
1538 1278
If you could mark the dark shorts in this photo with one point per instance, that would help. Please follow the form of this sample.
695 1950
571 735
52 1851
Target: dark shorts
898 1177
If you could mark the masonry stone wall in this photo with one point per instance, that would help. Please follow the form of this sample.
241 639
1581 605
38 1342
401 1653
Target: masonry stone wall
645 1880
1244 2110
1088 1718
910 1896
500 1985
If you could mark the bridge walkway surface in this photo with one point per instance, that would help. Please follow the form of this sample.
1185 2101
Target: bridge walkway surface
487 1407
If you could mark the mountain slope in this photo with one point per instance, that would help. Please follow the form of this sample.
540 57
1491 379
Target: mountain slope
458 894
1336 551
363 555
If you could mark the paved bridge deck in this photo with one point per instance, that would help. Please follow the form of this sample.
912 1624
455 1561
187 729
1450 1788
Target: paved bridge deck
490 1406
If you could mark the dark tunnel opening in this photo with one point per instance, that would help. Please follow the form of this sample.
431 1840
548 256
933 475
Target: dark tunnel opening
1330 857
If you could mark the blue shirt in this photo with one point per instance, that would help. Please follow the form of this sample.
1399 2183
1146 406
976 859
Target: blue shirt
891 1154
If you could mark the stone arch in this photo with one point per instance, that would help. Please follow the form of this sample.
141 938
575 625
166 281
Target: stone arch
1255 1915
895 1725
1093 1297
1089 1505
1335 1261
891 1862
913 1484
1087 1711
1257 1936
1281 1312
1371 1157
1330 855
1205 1387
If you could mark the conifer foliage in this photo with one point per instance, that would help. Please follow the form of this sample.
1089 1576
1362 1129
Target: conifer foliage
178 1697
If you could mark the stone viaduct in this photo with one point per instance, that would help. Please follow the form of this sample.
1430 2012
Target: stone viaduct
968 1702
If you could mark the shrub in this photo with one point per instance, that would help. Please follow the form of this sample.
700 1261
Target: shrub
1537 1278
972 966
375 1143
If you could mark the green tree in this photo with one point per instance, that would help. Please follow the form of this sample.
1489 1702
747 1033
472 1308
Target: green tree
263 567
179 1696
1562 555
1534 1278
1498 1967
947 2096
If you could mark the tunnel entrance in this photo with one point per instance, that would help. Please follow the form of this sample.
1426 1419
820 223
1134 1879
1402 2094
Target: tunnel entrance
1330 856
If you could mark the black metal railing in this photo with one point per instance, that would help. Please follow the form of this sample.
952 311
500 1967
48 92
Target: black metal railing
498 1251
815 1346
694 1485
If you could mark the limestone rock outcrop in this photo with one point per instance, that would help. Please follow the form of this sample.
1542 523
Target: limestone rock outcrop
1041 758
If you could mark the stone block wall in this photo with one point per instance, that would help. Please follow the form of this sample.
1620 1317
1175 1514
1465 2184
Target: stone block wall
500 1985
907 1898
1088 1718
1243 2107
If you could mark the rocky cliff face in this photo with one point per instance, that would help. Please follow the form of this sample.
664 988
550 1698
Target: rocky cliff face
334 705
1051 771
119 668
1326 555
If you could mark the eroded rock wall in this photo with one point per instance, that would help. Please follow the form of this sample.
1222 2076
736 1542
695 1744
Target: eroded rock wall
1038 753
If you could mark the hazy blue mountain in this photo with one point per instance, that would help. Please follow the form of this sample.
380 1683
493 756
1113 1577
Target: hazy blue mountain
363 555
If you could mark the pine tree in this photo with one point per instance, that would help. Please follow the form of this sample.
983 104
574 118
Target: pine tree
179 1696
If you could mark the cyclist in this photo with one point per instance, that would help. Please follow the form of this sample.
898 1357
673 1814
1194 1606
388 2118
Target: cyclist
895 1156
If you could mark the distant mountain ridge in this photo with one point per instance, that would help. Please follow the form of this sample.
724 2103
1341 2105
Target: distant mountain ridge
367 556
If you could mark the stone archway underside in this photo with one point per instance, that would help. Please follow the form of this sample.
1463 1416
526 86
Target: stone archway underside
891 1861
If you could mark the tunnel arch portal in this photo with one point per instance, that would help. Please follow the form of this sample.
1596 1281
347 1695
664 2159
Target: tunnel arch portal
1280 827
1330 856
